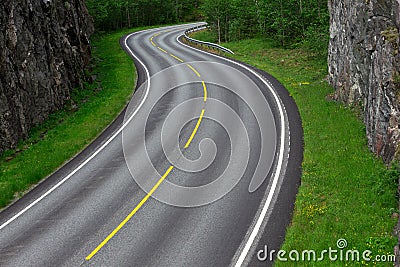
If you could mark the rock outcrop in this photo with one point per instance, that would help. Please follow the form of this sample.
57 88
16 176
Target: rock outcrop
364 67
44 49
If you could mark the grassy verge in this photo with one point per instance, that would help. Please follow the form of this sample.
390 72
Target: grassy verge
68 131
346 192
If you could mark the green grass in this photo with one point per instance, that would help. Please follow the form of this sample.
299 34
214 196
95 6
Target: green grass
68 131
206 36
346 192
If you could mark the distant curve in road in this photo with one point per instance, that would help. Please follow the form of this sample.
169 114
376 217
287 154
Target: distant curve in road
194 172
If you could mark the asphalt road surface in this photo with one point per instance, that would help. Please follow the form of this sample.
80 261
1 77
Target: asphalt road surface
201 169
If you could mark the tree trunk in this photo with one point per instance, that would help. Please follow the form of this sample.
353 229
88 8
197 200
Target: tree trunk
219 31
282 26
301 17
128 16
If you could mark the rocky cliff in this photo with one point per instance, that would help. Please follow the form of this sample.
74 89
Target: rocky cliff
364 67
44 47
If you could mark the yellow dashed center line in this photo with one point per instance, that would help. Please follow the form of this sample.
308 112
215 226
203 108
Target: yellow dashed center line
143 201
195 129
177 58
194 70
115 231
161 49
205 91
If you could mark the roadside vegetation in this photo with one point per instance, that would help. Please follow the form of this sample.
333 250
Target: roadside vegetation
111 15
345 192
289 22
68 131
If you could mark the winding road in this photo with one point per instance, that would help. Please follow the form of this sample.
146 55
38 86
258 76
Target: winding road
201 169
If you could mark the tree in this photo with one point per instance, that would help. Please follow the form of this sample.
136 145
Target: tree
116 14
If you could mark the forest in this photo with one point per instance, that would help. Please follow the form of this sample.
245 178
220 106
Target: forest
289 22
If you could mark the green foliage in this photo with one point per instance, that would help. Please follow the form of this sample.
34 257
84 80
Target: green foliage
117 14
289 22
345 191
68 131
316 39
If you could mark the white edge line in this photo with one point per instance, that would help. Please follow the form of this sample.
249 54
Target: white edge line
271 193
220 47
98 150
260 219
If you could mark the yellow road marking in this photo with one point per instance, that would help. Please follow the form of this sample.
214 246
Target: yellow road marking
135 210
177 58
205 91
195 129
194 70
130 215
161 49
157 34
